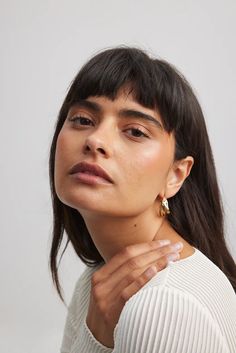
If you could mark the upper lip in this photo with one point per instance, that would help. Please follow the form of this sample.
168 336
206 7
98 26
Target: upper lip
93 168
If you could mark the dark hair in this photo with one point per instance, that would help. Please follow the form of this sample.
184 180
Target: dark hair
196 210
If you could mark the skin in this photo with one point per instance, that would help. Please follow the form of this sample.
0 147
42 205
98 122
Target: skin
123 216
143 170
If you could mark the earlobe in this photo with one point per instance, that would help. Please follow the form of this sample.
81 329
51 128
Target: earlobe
177 175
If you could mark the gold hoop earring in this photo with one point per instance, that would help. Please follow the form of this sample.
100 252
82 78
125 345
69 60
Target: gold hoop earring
164 209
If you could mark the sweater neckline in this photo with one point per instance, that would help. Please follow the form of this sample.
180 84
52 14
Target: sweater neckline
189 258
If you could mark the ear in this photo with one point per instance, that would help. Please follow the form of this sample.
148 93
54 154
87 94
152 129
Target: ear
179 171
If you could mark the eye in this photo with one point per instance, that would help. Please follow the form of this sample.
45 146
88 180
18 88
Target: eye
138 132
83 120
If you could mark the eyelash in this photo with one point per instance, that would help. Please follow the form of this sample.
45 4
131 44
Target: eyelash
136 129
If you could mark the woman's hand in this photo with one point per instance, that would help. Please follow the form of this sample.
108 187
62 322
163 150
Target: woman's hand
118 280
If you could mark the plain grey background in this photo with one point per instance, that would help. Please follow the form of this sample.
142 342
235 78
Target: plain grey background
43 45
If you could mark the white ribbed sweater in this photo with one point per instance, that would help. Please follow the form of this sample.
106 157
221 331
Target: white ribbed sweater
189 307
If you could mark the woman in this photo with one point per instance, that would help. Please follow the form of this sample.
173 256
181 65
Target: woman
130 167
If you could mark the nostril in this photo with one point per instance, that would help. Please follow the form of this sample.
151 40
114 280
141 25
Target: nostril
88 148
101 149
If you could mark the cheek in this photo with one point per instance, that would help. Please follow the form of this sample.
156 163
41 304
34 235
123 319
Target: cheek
63 155
61 149
145 173
64 149
152 163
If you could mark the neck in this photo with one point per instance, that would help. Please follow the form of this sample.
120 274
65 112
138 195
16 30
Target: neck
112 234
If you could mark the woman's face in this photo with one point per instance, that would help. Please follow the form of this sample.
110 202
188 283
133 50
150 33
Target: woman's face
128 141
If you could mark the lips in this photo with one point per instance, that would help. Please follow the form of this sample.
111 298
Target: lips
94 169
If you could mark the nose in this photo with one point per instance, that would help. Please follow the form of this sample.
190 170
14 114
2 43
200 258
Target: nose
99 142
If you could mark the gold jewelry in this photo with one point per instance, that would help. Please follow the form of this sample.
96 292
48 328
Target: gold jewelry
164 209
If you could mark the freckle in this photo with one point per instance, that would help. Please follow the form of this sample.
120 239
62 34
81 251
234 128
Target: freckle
135 225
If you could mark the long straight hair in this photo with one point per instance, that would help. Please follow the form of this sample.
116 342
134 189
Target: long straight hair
196 210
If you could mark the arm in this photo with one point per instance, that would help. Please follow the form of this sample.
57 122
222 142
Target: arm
81 341
77 338
87 343
165 320
111 286
69 334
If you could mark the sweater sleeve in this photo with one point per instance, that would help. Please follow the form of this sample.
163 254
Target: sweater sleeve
77 337
160 319
70 332
87 343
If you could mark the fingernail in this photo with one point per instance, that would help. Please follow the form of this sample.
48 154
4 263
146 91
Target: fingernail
178 246
172 257
151 271
164 242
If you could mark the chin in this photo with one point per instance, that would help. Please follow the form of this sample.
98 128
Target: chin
79 202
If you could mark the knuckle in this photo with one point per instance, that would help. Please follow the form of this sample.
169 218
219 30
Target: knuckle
128 252
95 278
96 292
133 264
140 281
161 263
124 295
130 277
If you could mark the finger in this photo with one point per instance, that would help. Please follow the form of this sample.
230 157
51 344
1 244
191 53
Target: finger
146 259
139 263
132 269
135 286
126 254
117 283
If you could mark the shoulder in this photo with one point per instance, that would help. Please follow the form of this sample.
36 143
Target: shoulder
190 297
196 275
167 318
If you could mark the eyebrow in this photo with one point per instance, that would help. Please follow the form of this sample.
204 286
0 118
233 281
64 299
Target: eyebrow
123 113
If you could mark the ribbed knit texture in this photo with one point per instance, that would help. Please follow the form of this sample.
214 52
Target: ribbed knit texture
189 307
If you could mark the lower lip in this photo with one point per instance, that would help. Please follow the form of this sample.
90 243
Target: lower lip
90 178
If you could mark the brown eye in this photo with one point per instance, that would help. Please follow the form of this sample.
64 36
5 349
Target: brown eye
82 119
138 132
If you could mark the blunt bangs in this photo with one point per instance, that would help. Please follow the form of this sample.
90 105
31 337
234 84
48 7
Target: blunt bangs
151 81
